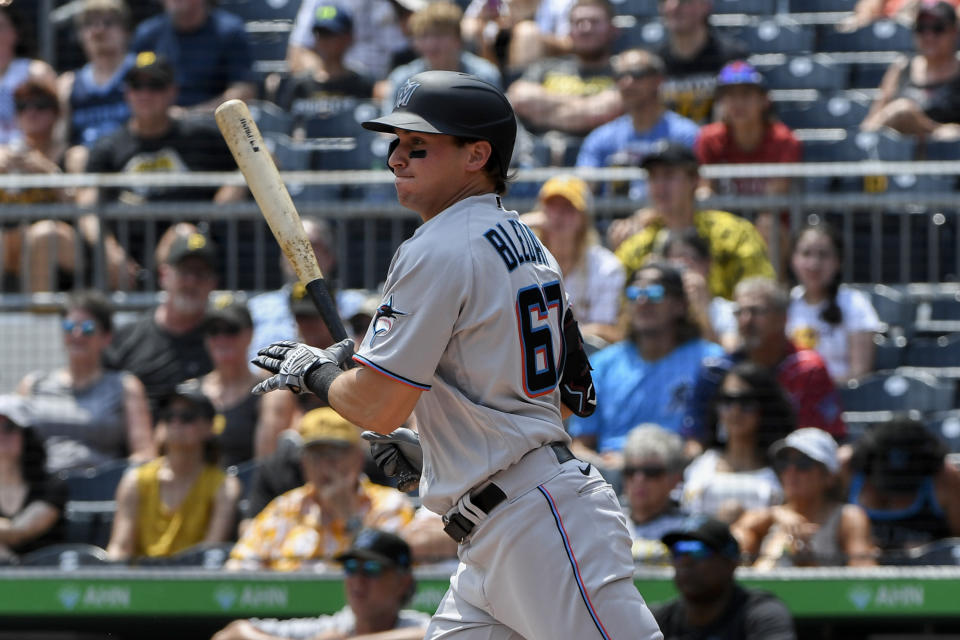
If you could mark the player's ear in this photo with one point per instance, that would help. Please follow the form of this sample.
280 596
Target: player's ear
480 152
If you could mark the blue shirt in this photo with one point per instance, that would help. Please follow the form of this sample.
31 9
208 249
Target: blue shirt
207 60
631 391
618 144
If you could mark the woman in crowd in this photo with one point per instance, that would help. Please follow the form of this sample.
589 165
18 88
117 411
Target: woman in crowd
752 413
85 414
31 501
15 67
181 498
812 527
824 314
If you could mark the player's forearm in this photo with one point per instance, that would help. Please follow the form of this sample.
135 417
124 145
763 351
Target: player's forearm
372 400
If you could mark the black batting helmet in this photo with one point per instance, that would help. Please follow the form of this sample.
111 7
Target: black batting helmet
457 104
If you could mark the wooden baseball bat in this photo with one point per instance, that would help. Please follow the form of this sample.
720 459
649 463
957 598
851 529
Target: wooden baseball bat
259 170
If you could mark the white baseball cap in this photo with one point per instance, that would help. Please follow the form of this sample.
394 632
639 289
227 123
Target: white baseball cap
814 443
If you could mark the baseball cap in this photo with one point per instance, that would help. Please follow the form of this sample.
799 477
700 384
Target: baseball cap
739 72
328 17
98 6
570 187
191 391
937 10
152 66
814 443
326 426
713 533
671 154
16 409
192 244
374 544
228 309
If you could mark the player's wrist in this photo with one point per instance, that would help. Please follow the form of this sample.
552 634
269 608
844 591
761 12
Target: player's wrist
320 378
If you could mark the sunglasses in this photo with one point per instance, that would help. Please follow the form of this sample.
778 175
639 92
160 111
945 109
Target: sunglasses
937 28
87 327
744 400
367 568
39 104
180 416
691 549
799 461
153 84
647 471
222 330
651 293
754 311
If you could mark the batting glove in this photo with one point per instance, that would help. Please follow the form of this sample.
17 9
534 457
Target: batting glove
291 362
390 452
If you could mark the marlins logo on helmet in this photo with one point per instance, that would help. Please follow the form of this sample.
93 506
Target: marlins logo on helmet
384 318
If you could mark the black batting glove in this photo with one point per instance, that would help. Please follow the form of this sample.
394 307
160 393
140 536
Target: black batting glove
291 363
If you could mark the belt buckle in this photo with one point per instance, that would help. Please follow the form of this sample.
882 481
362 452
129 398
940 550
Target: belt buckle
457 527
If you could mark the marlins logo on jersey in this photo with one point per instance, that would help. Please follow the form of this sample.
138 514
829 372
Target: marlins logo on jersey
384 319
405 93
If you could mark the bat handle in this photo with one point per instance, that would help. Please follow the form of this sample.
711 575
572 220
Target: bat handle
407 478
324 302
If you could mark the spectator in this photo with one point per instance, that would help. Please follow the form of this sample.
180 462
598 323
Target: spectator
714 314
377 35
378 583
332 86
711 603
866 12
576 93
825 314
182 498
310 525
761 312
593 276
899 474
86 415
208 48
647 377
92 96
165 345
734 473
15 69
737 249
624 142
504 32
311 328
812 527
693 54
653 462
33 516
246 426
920 95
436 37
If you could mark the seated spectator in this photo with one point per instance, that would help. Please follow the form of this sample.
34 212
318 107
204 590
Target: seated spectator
378 582
92 96
624 142
899 474
32 517
577 93
436 37
85 414
693 54
311 327
920 94
648 376
209 49
865 12
711 603
377 35
825 314
308 526
182 498
505 33
592 275
246 426
16 68
761 312
713 314
812 528
673 174
333 86
734 473
653 462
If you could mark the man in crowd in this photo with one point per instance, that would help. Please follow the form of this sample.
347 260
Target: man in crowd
624 142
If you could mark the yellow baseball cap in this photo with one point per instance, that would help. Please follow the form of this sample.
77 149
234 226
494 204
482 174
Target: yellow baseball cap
326 426
570 187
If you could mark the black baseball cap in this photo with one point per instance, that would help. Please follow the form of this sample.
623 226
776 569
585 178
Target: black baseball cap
150 65
190 245
374 544
333 19
713 533
937 10
226 308
191 391
671 154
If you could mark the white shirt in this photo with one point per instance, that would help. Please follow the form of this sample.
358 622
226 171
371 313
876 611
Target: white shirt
342 621
707 490
832 342
596 286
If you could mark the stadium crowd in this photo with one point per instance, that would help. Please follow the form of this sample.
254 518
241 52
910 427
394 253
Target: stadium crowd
721 376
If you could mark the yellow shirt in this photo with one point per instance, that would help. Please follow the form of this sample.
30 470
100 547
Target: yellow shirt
737 250
162 531
290 533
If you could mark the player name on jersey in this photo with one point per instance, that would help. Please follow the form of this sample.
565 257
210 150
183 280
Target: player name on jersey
517 247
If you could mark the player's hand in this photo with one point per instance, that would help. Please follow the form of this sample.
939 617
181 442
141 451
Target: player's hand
290 362
388 450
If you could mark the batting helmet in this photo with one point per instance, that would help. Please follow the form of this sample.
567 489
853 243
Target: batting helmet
457 104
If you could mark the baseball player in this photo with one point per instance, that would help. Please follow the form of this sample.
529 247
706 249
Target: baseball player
474 336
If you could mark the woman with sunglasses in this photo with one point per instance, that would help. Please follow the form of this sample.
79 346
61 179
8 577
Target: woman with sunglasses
85 414
752 413
812 527
920 95
16 67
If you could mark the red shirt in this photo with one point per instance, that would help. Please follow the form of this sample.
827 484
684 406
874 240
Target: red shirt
714 145
803 375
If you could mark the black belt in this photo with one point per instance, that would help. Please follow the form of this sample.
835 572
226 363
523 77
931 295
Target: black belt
458 527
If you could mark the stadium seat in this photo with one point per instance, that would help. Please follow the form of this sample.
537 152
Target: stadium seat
894 307
66 557
868 75
897 391
817 71
778 36
751 7
636 8
942 351
207 555
833 111
821 6
646 35
251 10
94 483
270 118
946 425
941 150
944 552
882 35
856 146
342 123
889 352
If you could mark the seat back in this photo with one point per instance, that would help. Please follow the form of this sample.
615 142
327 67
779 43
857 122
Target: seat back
897 391
66 557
